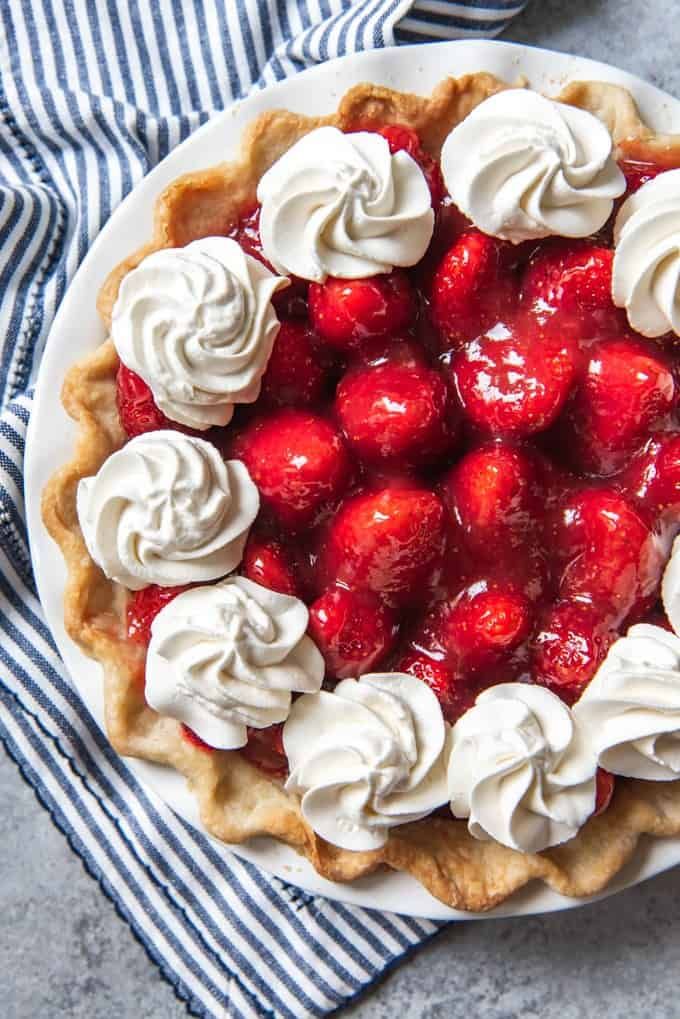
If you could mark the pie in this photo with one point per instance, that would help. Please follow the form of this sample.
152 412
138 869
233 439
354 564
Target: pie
370 516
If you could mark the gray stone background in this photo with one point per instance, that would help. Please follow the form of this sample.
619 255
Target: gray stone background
64 954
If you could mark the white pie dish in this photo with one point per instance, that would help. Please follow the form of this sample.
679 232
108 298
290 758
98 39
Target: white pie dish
77 330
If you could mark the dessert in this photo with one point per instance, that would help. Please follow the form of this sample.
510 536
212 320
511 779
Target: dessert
371 516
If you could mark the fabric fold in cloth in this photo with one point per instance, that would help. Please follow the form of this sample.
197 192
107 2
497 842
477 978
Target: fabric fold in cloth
92 96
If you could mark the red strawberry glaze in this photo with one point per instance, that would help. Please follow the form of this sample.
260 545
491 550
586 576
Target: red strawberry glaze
607 553
143 607
299 463
638 173
570 642
267 562
605 783
473 288
296 373
567 285
479 628
396 413
353 630
653 475
401 138
388 541
196 741
289 303
136 406
513 381
265 749
455 691
347 313
410 444
496 496
628 388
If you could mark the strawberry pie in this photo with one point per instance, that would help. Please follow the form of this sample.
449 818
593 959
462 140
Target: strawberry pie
370 520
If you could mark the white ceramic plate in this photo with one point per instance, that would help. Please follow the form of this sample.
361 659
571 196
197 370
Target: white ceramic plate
77 330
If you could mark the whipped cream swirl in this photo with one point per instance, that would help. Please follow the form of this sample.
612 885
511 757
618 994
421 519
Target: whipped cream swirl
197 324
166 509
631 708
646 272
226 657
342 205
520 769
521 166
367 757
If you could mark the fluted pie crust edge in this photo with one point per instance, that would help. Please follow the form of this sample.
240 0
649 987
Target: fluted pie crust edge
236 799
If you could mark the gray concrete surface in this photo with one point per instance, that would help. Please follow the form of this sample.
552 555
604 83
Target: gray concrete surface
64 954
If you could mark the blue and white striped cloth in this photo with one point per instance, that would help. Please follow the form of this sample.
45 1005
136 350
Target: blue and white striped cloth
92 96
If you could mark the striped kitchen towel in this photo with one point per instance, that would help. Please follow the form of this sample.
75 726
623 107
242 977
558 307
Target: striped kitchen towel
92 95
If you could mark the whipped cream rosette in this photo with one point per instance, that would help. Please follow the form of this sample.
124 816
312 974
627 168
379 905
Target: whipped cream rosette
521 769
167 509
631 708
646 271
226 657
343 205
197 324
521 166
366 757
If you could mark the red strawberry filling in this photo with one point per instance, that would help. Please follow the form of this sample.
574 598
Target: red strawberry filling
567 285
473 288
267 562
136 407
299 463
346 313
143 607
400 138
429 447
353 630
396 413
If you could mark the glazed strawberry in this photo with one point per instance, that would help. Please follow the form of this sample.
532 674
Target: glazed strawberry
136 406
265 750
455 692
522 564
638 173
353 630
266 562
653 475
296 374
247 233
403 351
628 388
495 496
606 552
479 627
401 138
568 284
657 617
473 288
571 642
289 303
143 607
515 383
394 412
605 784
388 541
191 737
347 313
298 462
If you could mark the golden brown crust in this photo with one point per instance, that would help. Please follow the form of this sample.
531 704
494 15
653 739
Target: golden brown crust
236 799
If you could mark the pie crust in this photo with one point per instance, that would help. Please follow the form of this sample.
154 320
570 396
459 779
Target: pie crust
237 800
